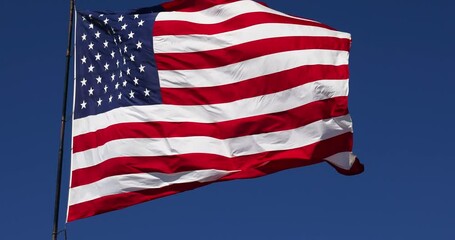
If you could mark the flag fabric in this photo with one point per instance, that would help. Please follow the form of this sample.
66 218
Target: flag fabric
188 93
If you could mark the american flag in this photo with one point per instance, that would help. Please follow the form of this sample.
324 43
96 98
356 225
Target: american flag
187 93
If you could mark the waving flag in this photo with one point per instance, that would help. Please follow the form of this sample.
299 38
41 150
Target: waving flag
181 95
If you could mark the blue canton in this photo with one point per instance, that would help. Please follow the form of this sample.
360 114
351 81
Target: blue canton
114 65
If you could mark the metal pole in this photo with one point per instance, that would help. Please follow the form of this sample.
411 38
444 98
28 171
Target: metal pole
63 123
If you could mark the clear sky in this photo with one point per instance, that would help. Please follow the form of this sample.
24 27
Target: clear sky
401 100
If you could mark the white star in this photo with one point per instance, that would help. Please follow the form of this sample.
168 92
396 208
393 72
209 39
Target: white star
124 26
110 98
97 34
117 85
147 92
128 71
105 43
118 63
105 88
83 105
90 46
99 102
120 18
120 96
112 54
90 68
120 74
130 35
119 39
125 49
141 68
90 16
136 81
101 15
132 58
124 61
131 94
106 21
124 83
84 19
84 82
106 66
139 44
98 57
84 60
98 79
90 26
112 77
90 91
141 23
136 16
84 37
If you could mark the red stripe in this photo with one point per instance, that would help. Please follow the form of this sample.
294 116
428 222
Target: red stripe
198 161
176 27
222 130
193 5
246 51
266 84
123 200
253 166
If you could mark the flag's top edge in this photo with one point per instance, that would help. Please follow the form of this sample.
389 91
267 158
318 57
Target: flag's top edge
145 10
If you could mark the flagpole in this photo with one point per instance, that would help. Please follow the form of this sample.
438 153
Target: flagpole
63 124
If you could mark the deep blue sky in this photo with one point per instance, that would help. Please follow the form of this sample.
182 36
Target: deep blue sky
401 100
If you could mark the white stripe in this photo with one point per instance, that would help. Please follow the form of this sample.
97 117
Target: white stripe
200 42
232 147
249 69
220 13
343 160
136 182
265 104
